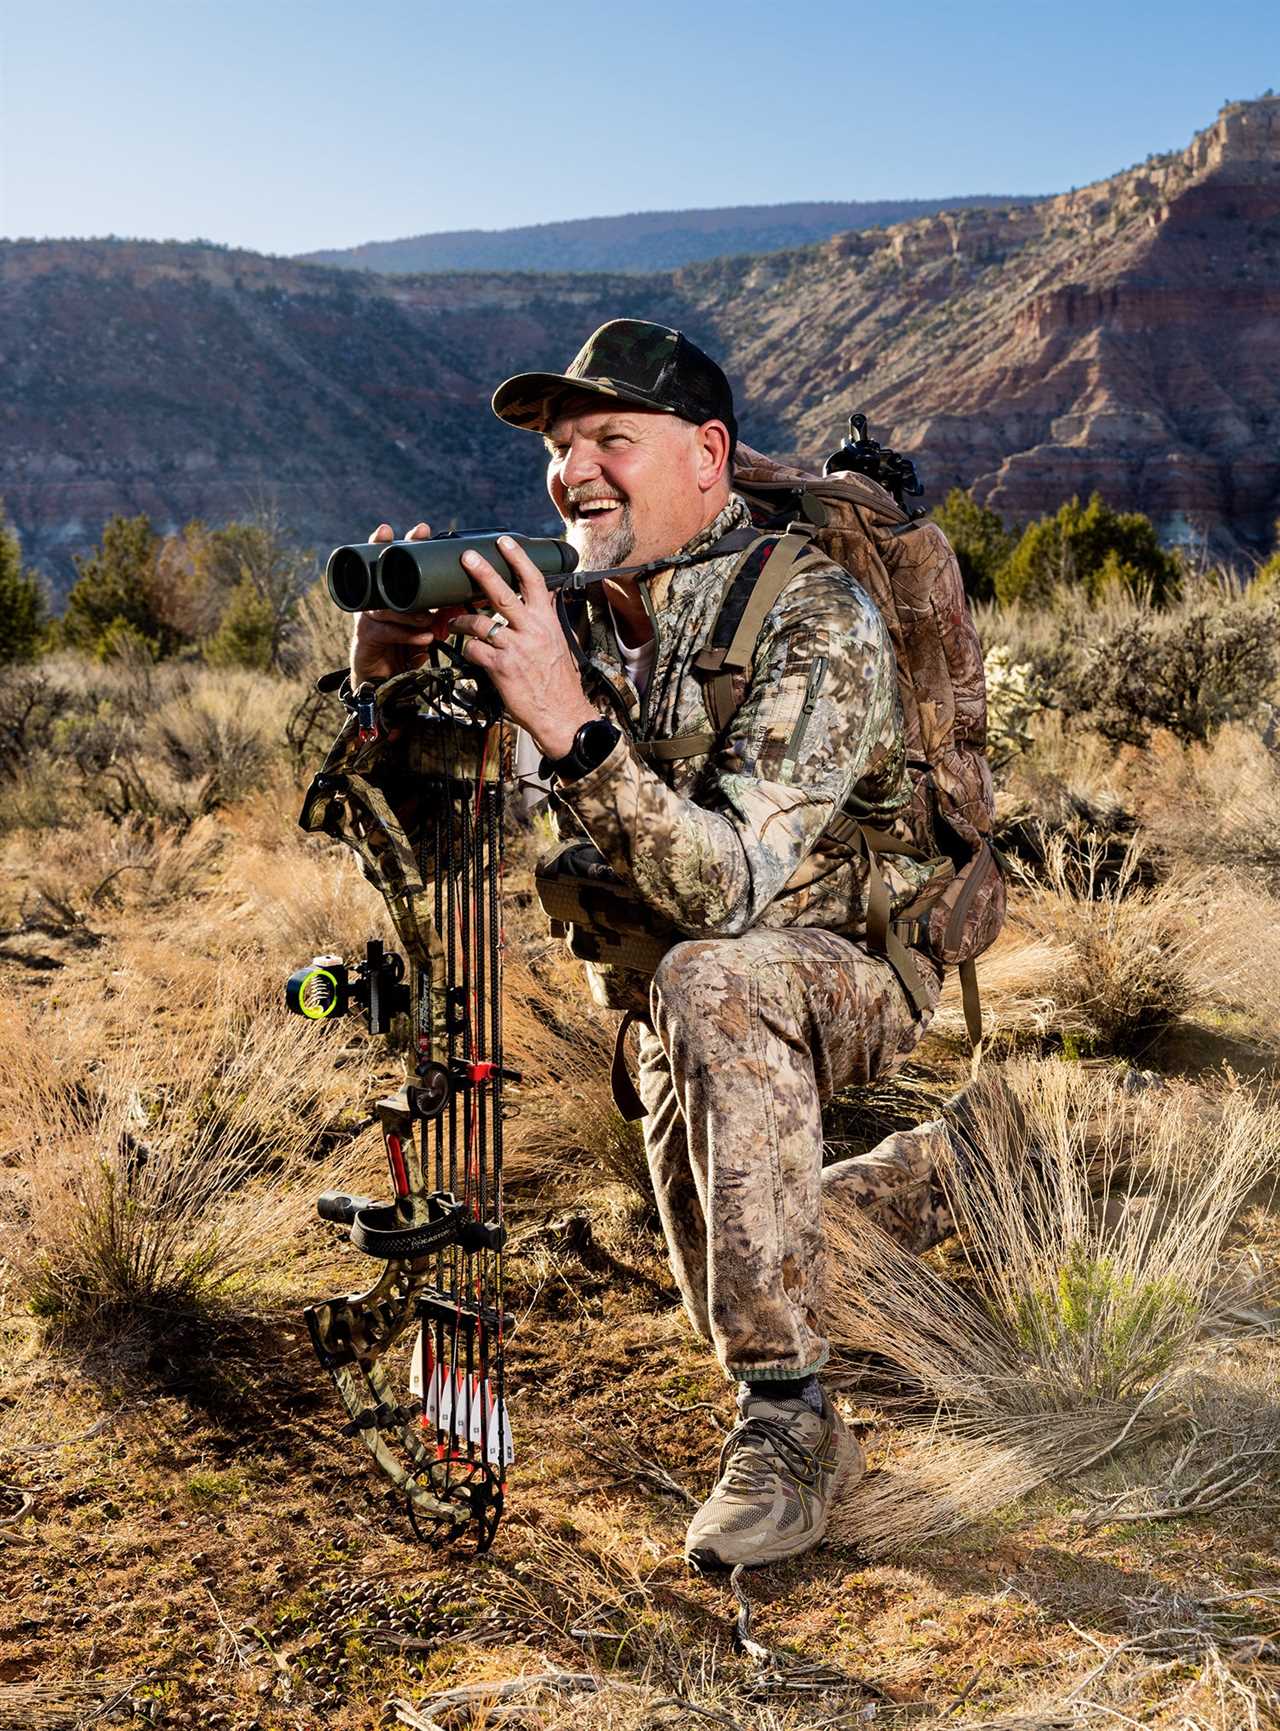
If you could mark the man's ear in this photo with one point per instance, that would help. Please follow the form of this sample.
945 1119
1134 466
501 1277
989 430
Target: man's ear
713 454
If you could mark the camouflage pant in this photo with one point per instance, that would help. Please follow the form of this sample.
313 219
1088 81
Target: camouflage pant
750 1037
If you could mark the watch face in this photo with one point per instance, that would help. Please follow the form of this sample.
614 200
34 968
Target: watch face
595 741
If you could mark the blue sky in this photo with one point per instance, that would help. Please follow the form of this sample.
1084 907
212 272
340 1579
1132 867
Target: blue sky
283 125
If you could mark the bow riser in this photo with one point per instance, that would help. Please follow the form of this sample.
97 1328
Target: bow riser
414 785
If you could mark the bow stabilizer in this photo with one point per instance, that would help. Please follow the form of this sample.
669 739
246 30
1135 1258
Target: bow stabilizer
414 785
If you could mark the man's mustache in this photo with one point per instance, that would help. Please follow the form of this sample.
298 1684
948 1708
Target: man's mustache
578 496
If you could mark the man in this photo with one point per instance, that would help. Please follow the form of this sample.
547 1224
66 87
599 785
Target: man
764 1004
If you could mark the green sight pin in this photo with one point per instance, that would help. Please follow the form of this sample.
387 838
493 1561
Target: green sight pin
320 990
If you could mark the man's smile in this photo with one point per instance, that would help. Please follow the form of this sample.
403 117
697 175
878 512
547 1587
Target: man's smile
595 506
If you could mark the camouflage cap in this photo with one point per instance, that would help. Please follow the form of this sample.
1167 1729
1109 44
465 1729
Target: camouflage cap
632 361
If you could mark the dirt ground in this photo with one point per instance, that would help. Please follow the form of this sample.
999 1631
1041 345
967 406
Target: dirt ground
189 1541
204 1550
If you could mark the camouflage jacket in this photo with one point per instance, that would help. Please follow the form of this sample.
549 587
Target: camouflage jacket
716 845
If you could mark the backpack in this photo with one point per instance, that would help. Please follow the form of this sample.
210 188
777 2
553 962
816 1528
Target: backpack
908 568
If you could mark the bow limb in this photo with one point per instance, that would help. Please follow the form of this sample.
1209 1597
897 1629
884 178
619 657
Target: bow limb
350 1336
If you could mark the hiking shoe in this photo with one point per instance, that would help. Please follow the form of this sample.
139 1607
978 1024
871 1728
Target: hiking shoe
781 1468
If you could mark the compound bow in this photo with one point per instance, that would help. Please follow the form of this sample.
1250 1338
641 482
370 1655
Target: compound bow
414 784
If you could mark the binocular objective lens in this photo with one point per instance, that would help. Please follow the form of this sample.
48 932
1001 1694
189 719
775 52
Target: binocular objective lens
349 579
399 578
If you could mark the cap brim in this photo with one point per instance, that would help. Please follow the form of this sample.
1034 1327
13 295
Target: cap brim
526 399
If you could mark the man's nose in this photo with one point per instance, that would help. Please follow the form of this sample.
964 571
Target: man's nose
581 464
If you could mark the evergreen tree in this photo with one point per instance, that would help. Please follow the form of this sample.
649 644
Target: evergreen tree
1088 546
21 600
114 598
255 556
981 541
246 636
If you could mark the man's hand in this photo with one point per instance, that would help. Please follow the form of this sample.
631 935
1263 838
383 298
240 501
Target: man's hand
384 642
524 651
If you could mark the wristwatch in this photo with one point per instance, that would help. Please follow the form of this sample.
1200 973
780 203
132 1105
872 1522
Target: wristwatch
592 743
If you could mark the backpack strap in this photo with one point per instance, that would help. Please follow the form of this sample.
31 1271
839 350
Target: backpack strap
754 586
626 1096
767 565
884 936
972 1002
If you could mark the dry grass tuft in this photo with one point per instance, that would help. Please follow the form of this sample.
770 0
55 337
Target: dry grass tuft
299 898
162 1175
1216 804
221 734
1092 1231
1124 1679
1129 970
1106 961
567 1120
100 866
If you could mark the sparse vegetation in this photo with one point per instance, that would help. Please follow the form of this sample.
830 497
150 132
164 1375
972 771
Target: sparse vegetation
1093 1239
1070 1407
230 594
1188 673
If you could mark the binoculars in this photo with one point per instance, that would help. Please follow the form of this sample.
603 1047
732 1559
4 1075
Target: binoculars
415 576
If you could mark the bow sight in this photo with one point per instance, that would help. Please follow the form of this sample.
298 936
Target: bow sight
325 988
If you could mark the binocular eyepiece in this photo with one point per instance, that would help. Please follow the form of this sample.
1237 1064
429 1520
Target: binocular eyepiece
415 576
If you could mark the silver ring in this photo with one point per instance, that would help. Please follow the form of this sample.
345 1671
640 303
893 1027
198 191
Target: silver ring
496 626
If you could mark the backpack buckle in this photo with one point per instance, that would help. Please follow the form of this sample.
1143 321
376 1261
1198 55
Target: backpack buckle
913 933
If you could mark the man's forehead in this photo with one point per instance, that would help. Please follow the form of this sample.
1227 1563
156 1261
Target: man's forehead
596 419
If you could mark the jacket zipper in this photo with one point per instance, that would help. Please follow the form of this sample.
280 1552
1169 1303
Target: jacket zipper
817 673
647 693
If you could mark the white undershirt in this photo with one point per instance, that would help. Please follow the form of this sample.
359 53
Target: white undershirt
636 663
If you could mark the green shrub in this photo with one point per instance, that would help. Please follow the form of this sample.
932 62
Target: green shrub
1189 673
113 606
246 635
21 601
1090 547
1125 1329
262 574
981 541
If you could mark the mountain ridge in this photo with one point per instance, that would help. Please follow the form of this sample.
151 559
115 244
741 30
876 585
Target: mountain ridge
639 241
1125 336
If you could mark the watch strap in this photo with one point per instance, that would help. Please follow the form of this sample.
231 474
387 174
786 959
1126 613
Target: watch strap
592 743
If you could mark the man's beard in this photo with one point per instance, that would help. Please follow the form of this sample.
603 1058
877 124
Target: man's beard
600 547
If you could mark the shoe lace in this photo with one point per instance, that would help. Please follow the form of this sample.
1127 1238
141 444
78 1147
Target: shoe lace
755 1447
